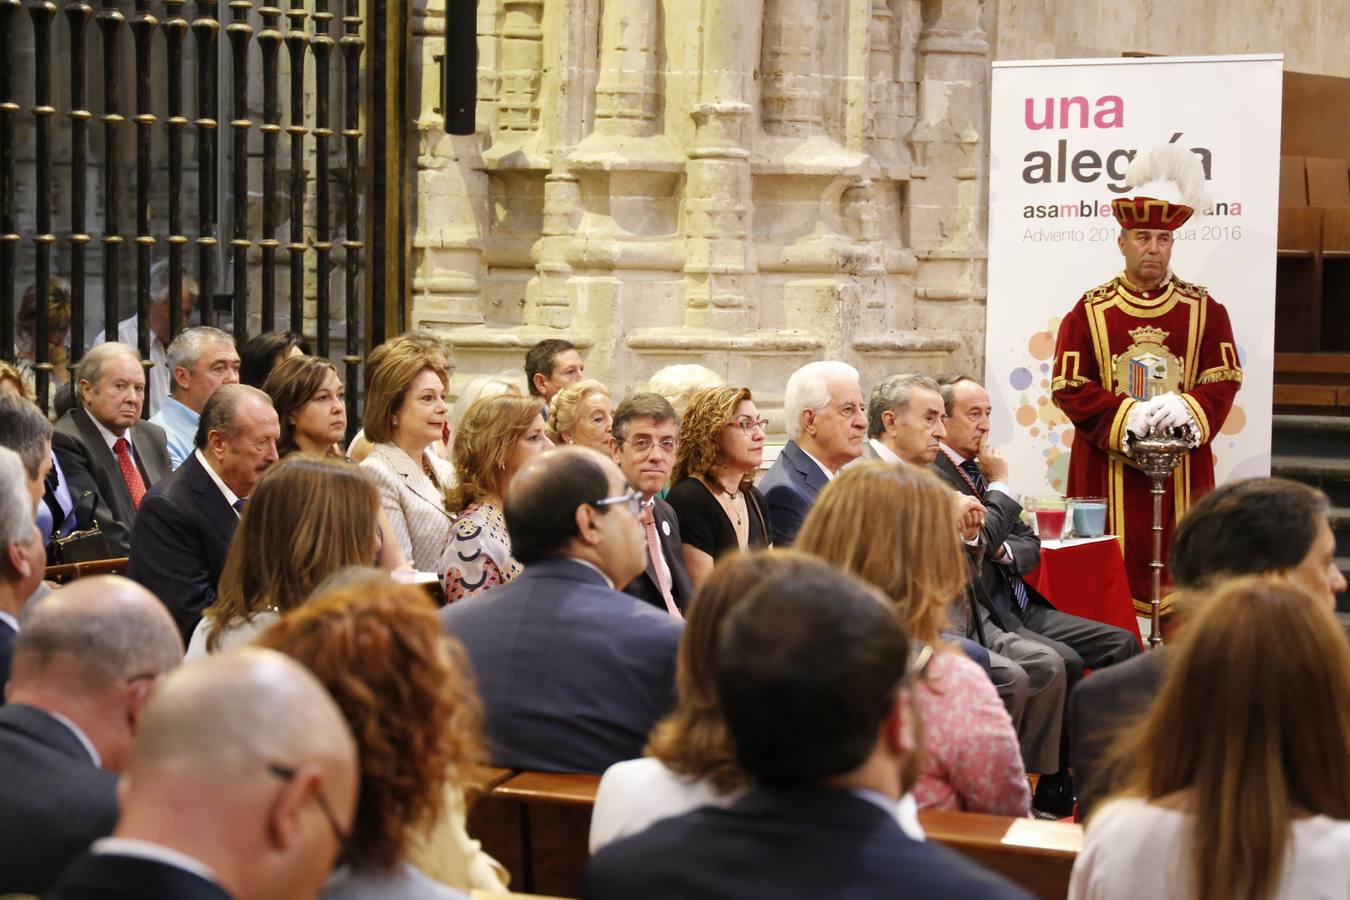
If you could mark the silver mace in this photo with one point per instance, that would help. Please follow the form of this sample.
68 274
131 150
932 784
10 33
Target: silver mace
1159 453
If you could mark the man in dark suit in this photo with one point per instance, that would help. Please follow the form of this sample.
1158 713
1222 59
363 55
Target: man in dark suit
183 533
646 436
85 662
811 675
103 442
1010 550
22 555
573 673
826 425
241 786
1259 526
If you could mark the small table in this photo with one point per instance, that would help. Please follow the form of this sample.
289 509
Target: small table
1086 577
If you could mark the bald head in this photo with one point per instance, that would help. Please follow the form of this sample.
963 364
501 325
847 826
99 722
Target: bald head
543 497
264 752
92 635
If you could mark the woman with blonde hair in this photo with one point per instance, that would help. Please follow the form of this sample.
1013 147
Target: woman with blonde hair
894 525
498 435
582 414
690 759
12 382
406 692
306 517
713 483
1241 776
405 417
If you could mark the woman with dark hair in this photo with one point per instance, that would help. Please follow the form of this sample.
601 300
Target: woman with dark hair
309 398
498 435
894 526
1240 783
713 483
264 352
306 517
406 692
690 760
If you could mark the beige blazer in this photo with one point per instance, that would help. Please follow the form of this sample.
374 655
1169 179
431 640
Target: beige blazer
414 504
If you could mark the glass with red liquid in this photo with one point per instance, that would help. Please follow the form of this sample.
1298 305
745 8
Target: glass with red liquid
1050 514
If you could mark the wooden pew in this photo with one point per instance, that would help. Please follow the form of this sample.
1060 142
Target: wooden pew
553 816
1037 855
64 574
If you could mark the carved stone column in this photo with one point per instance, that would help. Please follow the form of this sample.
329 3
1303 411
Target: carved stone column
626 97
792 97
522 59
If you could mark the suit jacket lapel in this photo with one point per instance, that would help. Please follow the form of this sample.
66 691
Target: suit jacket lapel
812 475
416 480
222 516
145 455
101 456
945 467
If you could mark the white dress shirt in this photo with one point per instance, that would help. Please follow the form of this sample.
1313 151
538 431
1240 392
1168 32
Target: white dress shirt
829 476
883 452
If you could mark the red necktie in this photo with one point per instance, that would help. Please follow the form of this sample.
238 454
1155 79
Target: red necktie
654 554
130 474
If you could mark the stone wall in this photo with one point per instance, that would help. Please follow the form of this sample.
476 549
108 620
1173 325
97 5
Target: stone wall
747 184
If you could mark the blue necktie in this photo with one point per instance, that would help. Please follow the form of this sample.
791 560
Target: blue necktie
1015 582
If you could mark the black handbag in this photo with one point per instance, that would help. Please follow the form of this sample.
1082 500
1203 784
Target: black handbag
85 544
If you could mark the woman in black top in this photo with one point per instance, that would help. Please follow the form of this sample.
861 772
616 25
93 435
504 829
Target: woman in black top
713 493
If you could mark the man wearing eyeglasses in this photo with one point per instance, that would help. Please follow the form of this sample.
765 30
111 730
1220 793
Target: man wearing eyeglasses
646 436
85 661
572 672
241 786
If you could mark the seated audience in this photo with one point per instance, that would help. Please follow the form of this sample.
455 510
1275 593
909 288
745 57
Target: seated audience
58 332
810 671
12 382
405 416
85 663
646 438
264 352
550 366
26 431
180 541
679 383
498 436
24 558
307 517
691 761
379 651
359 448
310 401
573 674
582 414
826 424
890 524
201 359
1257 526
1240 784
713 484
104 442
241 785
128 331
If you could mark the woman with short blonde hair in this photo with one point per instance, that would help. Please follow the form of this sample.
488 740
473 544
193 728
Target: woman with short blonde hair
405 417
894 526
306 517
1240 784
583 414
498 435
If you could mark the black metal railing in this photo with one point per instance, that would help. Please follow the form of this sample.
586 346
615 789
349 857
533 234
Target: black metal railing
148 41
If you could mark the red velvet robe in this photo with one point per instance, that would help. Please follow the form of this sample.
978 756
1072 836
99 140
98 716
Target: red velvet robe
1179 339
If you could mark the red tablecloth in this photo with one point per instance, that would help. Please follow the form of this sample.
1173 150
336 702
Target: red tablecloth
1086 578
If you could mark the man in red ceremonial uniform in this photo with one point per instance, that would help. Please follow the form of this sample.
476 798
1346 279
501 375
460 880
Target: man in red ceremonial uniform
1144 349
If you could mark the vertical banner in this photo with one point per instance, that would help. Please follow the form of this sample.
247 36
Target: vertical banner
1062 134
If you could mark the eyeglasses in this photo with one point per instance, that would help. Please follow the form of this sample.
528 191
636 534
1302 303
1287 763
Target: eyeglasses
287 773
645 444
748 425
633 499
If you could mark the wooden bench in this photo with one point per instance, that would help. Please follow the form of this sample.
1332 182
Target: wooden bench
551 816
68 572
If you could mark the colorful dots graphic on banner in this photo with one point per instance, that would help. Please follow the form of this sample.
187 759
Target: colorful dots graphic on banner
1020 378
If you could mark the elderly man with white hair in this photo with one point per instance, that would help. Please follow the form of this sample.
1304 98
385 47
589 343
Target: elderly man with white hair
826 425
200 360
128 329
22 555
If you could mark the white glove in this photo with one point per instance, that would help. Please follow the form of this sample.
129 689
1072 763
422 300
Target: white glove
1136 421
1170 411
